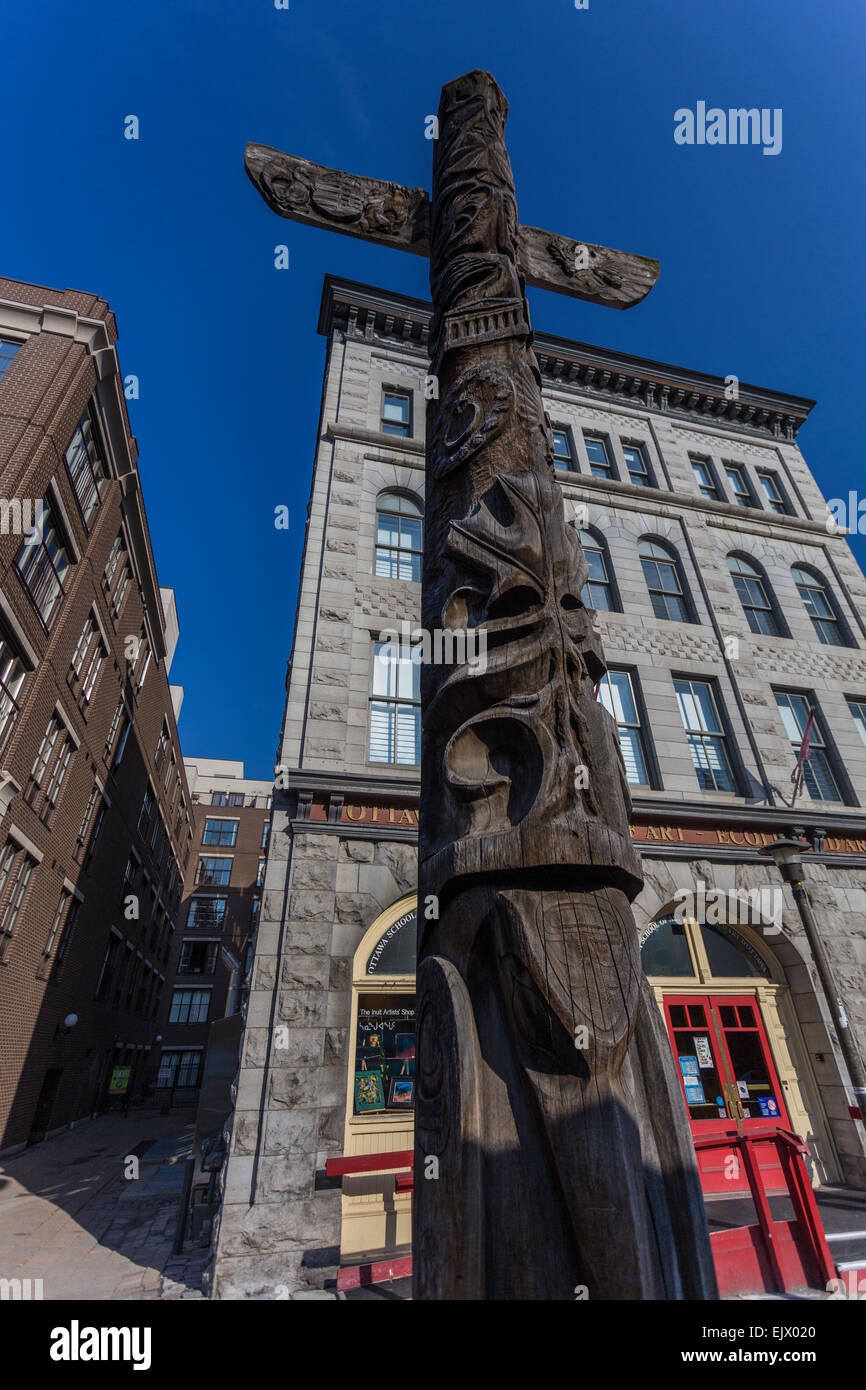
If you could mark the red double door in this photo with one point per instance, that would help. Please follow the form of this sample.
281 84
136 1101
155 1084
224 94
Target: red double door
729 1081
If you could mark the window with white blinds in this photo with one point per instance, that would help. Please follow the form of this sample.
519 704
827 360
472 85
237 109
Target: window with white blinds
395 705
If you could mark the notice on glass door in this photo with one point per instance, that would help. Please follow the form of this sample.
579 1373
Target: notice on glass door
704 1054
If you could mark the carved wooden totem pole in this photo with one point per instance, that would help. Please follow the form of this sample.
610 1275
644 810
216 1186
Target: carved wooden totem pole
553 1156
545 1087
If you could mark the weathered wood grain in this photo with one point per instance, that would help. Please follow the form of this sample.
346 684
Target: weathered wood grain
397 216
548 1100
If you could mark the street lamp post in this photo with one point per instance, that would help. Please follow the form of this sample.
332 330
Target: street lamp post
787 856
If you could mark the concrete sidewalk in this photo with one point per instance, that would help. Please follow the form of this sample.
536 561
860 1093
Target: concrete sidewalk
70 1217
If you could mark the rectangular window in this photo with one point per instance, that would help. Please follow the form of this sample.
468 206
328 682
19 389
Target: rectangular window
87 661
396 413
115 555
43 565
87 818
12 675
121 742
46 750
94 838
598 453
161 749
219 799
51 764
198 958
130 874
706 736
236 798
16 868
858 714
86 467
706 479
146 811
562 456
385 1053
91 674
206 912
7 353
55 782
88 638
395 705
636 463
189 1006
220 832
109 966
123 584
775 496
260 874
65 939
616 692
48 948
740 485
178 1069
266 834
142 665
216 872
819 777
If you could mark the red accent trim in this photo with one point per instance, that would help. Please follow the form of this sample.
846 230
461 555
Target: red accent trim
774 1255
378 1272
368 1163
855 1112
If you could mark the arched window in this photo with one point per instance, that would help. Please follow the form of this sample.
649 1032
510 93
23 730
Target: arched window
754 595
821 608
399 536
598 592
663 577
678 945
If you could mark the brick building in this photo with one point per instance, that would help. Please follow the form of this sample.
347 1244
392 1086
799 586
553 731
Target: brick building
211 957
728 610
95 819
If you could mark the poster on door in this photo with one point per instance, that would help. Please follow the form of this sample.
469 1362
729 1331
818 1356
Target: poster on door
703 1052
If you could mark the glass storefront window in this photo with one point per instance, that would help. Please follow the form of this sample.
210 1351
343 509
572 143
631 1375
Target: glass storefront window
385 1053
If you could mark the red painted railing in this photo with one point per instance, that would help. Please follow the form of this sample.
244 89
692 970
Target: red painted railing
773 1255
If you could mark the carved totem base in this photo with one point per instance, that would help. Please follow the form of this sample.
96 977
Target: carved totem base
589 1190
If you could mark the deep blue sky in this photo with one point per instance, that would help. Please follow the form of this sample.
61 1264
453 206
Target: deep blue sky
762 257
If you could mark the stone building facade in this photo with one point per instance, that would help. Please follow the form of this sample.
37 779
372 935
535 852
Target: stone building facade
728 611
95 822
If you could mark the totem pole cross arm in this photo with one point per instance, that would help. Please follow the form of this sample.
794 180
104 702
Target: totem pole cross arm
397 216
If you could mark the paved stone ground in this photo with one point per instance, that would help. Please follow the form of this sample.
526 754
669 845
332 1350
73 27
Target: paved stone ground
69 1217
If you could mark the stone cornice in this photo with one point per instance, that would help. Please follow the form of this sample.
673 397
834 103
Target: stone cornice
28 319
647 500
368 314
355 435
